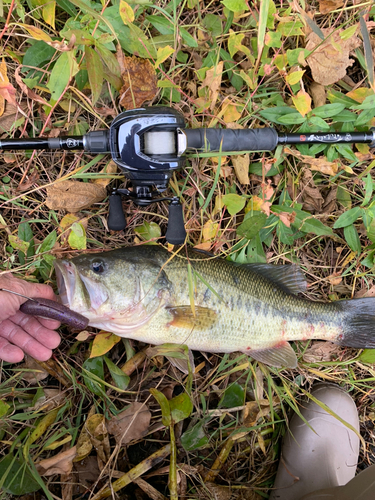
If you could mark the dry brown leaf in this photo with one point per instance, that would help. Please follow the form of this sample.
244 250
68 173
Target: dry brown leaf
320 351
98 433
365 293
74 196
131 424
109 169
335 279
62 463
320 164
34 373
326 6
30 93
287 218
88 472
213 82
330 59
241 167
216 491
310 194
140 82
318 94
52 398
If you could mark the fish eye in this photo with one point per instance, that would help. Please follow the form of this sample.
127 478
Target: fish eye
98 266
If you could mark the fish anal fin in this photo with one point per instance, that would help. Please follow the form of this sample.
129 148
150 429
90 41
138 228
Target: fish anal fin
280 355
288 277
183 317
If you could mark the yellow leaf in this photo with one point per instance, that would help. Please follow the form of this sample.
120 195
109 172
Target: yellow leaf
3 79
360 94
103 342
294 77
241 167
126 12
302 102
231 113
209 230
163 54
281 61
68 220
48 13
37 33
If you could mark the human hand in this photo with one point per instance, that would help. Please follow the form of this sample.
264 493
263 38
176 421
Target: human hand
21 333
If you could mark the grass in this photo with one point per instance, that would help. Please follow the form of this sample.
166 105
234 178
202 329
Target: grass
220 64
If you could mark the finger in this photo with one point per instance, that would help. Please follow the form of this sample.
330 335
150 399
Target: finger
51 324
14 334
33 326
23 287
9 352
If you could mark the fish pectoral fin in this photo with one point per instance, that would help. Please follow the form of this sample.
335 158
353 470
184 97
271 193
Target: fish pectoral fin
280 355
183 317
182 363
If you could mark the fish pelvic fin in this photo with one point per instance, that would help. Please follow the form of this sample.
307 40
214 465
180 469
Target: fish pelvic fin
184 317
359 323
280 355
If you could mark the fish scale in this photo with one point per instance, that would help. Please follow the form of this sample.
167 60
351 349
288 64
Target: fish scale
253 308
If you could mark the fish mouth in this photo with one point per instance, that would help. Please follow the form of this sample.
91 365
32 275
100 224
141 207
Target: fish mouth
66 278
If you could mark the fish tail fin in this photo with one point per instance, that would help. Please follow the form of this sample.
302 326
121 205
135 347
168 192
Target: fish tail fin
359 323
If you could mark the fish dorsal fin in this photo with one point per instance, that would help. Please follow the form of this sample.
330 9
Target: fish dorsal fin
281 355
183 317
288 278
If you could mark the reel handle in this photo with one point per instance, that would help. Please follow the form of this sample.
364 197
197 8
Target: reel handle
176 232
116 218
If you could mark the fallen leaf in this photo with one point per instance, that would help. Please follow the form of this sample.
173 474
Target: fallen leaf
84 335
241 167
62 463
360 94
335 279
320 351
7 91
33 371
131 424
310 194
330 58
25 89
103 342
88 472
213 82
326 6
140 82
365 293
74 196
318 94
109 169
320 164
230 112
97 431
52 398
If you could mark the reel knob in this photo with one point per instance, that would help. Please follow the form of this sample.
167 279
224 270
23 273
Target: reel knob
176 232
116 217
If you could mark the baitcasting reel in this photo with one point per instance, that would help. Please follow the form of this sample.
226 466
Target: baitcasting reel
148 145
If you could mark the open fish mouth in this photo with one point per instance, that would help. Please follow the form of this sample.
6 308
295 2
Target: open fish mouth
66 278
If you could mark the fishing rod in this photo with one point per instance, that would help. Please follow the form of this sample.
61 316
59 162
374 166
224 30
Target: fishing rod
148 145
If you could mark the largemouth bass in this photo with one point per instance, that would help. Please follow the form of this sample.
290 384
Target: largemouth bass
142 293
